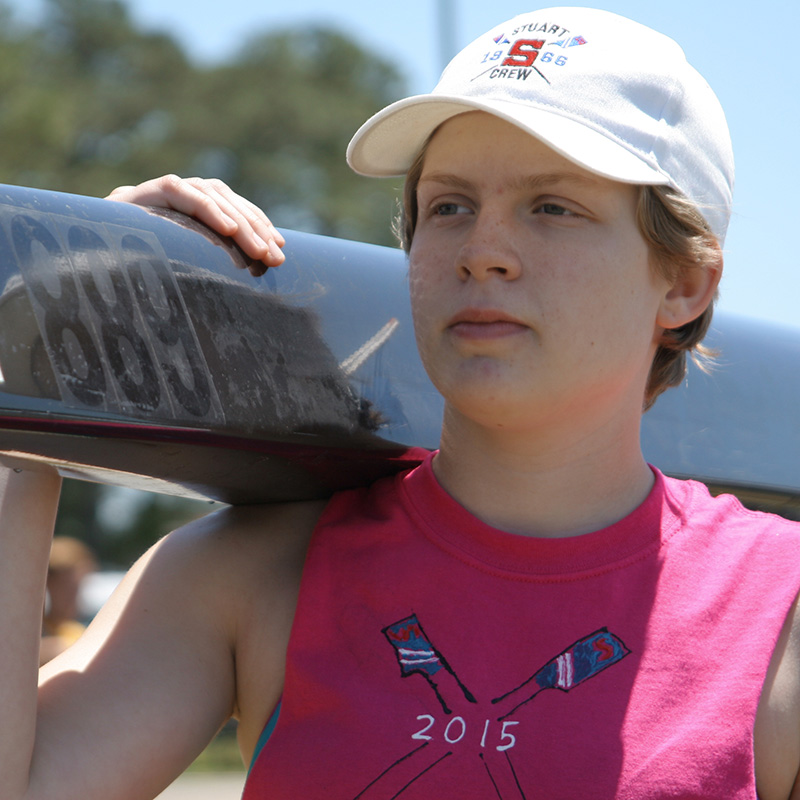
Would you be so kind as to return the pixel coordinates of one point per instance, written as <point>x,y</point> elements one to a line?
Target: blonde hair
<point>679,239</point>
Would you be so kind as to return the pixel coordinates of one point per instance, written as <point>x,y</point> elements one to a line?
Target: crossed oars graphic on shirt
<point>416,654</point>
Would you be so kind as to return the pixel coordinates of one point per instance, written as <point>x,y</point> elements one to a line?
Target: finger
<point>171,191</point>
<point>256,234</point>
<point>254,215</point>
<point>212,202</point>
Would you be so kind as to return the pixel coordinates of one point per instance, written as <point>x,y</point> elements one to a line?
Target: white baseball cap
<point>611,95</point>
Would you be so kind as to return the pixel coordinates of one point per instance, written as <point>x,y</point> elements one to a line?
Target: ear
<point>691,294</point>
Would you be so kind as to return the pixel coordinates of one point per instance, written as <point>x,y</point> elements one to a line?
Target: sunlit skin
<point>537,315</point>
<point>528,272</point>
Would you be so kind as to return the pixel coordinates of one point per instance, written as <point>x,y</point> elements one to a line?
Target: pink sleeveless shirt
<point>433,656</point>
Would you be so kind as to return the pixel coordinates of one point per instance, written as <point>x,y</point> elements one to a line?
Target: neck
<point>548,483</point>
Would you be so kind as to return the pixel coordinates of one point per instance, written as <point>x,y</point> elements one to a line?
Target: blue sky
<point>747,52</point>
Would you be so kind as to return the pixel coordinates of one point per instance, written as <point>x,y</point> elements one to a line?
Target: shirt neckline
<point>451,527</point>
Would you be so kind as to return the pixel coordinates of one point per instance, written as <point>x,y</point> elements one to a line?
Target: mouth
<point>478,323</point>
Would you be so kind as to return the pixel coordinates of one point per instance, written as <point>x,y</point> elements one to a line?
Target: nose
<point>489,252</point>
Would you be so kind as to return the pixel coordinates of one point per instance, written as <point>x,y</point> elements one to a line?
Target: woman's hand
<point>214,203</point>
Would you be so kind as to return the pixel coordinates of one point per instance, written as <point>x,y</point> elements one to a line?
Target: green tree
<point>90,102</point>
<point>282,135</point>
<point>82,98</point>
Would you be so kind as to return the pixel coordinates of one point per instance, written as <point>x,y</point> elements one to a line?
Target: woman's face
<point>530,282</point>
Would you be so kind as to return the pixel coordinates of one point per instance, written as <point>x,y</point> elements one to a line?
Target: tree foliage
<point>88,101</point>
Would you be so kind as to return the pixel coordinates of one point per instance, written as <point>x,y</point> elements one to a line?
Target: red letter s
<point>523,52</point>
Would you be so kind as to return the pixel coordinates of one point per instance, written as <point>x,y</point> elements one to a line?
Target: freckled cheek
<point>417,292</point>
<point>423,301</point>
<point>426,280</point>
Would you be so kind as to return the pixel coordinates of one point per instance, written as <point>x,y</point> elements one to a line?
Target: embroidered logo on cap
<point>527,52</point>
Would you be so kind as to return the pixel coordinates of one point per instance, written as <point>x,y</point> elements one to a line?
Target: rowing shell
<point>137,350</point>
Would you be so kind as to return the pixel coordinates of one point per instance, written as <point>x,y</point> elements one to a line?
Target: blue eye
<point>449,209</point>
<point>554,209</point>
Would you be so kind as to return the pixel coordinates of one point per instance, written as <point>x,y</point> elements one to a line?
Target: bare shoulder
<point>217,566</point>
<point>242,543</point>
<point>196,632</point>
<point>258,553</point>
<point>777,728</point>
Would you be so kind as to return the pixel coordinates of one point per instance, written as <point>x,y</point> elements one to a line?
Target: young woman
<point>533,612</point>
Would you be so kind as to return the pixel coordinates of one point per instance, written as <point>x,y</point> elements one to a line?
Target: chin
<point>493,409</point>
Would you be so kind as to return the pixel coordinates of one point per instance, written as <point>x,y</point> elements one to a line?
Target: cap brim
<point>388,143</point>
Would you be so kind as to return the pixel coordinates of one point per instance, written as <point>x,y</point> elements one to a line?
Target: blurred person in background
<point>70,562</point>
